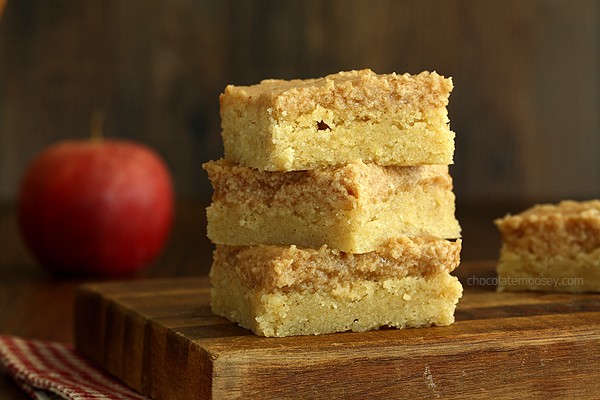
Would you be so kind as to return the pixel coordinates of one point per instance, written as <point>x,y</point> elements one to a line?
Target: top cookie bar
<point>391,119</point>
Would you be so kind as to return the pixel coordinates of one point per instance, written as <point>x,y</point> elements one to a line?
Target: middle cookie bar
<point>354,208</point>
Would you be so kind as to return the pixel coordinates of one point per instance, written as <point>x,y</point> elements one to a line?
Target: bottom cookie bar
<point>286,291</point>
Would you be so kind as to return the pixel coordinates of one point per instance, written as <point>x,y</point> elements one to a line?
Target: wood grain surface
<point>160,337</point>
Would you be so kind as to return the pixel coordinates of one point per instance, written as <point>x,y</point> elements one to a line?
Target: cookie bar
<point>287,290</point>
<point>352,208</point>
<point>551,247</point>
<point>392,119</point>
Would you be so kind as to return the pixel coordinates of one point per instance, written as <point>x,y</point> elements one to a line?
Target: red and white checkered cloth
<point>50,370</point>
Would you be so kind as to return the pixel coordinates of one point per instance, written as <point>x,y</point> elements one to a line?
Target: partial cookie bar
<point>287,290</point>
<point>551,248</point>
<point>354,208</point>
<point>391,119</point>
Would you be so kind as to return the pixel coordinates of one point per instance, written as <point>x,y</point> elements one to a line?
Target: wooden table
<point>36,305</point>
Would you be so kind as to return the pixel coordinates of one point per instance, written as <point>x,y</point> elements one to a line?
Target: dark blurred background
<point>525,106</point>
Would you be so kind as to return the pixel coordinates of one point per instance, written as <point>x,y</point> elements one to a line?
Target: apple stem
<point>97,125</point>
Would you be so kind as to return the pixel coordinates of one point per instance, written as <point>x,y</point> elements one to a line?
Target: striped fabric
<point>49,370</point>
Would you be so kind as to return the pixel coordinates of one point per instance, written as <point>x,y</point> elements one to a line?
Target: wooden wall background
<point>525,106</point>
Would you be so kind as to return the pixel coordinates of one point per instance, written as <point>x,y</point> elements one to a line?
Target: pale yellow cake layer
<point>356,303</point>
<point>389,119</point>
<point>551,247</point>
<point>576,273</point>
<point>353,208</point>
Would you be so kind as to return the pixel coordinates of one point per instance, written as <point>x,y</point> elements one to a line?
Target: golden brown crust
<point>286,268</point>
<point>566,228</point>
<point>352,90</point>
<point>339,187</point>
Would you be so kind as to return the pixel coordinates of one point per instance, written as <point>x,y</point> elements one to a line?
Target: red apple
<point>96,207</point>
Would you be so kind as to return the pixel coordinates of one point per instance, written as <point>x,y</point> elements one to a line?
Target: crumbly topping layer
<point>548,229</point>
<point>292,268</point>
<point>359,91</point>
<point>339,187</point>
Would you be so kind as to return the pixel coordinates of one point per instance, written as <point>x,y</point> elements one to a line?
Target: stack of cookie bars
<point>333,205</point>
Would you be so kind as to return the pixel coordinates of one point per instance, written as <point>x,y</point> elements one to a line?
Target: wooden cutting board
<point>161,338</point>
